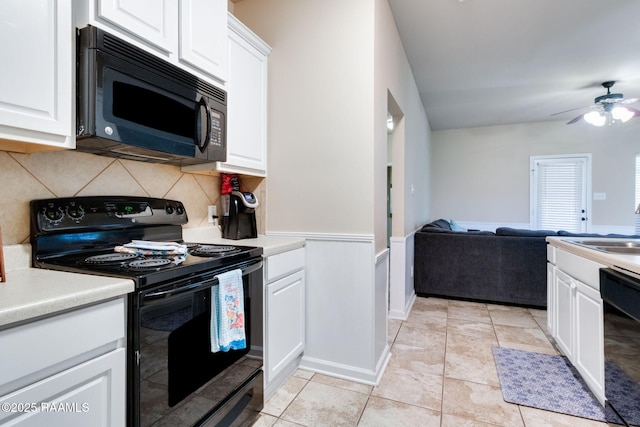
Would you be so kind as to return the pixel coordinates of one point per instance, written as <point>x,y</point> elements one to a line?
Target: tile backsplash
<point>24,177</point>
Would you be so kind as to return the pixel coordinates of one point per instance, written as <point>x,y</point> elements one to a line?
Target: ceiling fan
<point>607,108</point>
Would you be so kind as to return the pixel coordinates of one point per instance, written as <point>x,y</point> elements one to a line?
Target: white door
<point>559,189</point>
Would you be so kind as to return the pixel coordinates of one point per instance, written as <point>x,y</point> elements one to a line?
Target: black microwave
<point>134,105</point>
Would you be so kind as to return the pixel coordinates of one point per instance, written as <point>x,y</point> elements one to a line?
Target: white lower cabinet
<point>578,317</point>
<point>67,370</point>
<point>589,338</point>
<point>565,312</point>
<point>284,317</point>
<point>551,292</point>
<point>89,394</point>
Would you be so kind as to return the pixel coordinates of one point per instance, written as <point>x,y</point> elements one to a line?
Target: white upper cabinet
<point>191,34</point>
<point>246,105</point>
<point>203,36</point>
<point>247,94</point>
<point>37,75</point>
<point>154,21</point>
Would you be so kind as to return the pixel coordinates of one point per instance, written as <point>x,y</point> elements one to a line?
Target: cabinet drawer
<point>92,394</point>
<point>583,269</point>
<point>284,263</point>
<point>44,343</point>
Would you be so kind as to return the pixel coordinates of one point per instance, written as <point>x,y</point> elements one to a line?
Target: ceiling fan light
<point>622,114</point>
<point>595,118</point>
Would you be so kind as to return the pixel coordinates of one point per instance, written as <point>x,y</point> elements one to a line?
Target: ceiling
<point>499,62</point>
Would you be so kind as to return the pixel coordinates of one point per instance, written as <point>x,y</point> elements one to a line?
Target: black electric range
<point>171,360</point>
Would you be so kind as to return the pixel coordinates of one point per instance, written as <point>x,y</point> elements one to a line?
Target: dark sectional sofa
<point>508,266</point>
<point>505,267</point>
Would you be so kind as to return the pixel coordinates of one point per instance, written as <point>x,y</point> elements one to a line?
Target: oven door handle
<point>203,284</point>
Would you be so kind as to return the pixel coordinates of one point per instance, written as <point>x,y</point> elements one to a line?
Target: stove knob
<point>76,212</point>
<point>168,209</point>
<point>53,214</point>
<point>180,209</point>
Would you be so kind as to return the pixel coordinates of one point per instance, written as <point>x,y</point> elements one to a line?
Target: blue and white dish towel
<point>227,313</point>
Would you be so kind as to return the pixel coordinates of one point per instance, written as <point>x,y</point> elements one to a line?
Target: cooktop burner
<point>114,258</point>
<point>146,264</point>
<point>213,250</point>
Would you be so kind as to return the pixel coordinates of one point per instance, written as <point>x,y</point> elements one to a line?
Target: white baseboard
<point>346,372</point>
<point>404,314</point>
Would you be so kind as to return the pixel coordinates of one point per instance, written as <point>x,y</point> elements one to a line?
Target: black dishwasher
<point>621,296</point>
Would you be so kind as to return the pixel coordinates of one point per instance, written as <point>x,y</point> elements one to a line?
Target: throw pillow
<point>455,226</point>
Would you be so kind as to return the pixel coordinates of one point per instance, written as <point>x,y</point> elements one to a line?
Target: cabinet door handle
<point>200,143</point>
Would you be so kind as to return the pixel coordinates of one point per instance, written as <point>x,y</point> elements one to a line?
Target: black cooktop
<point>146,270</point>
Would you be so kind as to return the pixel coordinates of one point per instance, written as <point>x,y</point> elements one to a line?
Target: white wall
<point>482,174</point>
<point>320,113</point>
<point>411,140</point>
<point>331,68</point>
<point>327,117</point>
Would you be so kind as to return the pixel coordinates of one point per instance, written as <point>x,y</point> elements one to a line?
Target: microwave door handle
<point>202,145</point>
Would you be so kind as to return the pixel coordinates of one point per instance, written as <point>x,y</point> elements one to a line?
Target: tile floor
<point>441,374</point>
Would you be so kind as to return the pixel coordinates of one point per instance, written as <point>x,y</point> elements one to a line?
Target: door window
<point>559,189</point>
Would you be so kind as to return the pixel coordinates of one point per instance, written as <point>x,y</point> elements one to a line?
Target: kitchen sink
<point>618,247</point>
<point>619,250</point>
<point>600,243</point>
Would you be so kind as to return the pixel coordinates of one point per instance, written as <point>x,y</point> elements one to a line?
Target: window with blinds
<point>559,193</point>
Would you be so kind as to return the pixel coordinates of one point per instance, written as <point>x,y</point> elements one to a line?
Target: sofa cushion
<point>507,231</point>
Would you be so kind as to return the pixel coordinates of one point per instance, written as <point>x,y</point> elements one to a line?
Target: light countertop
<point>271,245</point>
<point>627,262</point>
<point>32,293</point>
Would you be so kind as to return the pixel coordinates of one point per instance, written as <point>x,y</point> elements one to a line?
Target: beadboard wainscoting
<point>401,290</point>
<point>382,345</point>
<point>346,307</point>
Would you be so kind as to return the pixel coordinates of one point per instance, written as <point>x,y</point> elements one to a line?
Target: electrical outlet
<point>599,196</point>
<point>212,212</point>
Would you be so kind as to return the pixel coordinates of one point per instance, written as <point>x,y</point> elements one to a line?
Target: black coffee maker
<point>240,221</point>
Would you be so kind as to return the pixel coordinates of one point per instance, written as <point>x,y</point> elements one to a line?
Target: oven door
<point>175,377</point>
<point>621,297</point>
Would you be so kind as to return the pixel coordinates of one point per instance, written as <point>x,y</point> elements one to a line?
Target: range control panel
<point>76,213</point>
